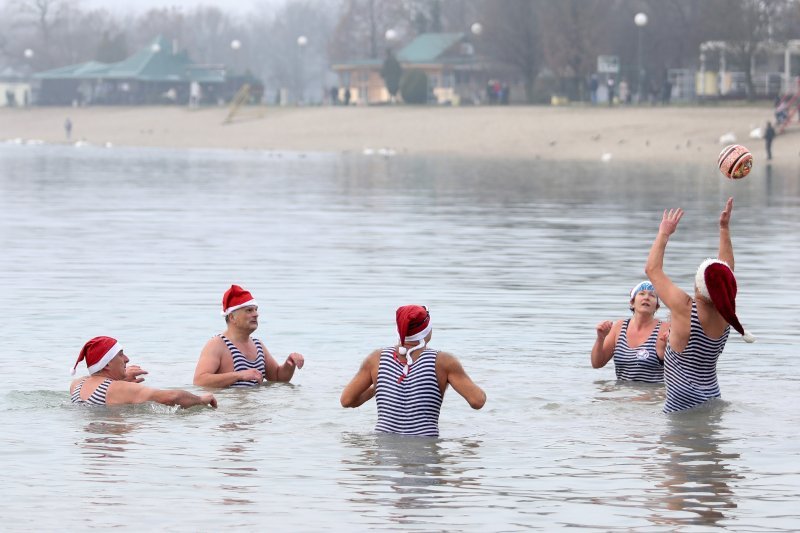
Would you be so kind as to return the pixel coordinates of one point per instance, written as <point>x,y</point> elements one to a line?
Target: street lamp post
<point>641,21</point>
<point>302,42</point>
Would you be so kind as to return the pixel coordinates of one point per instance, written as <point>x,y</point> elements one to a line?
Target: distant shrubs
<point>414,87</point>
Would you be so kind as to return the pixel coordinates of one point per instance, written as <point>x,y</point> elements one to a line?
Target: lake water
<point>517,261</point>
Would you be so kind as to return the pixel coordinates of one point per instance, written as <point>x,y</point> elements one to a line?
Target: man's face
<point>246,318</point>
<point>117,366</point>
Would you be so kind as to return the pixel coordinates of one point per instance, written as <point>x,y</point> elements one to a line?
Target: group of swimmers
<point>408,380</point>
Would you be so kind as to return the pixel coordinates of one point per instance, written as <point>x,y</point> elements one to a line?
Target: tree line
<point>528,37</point>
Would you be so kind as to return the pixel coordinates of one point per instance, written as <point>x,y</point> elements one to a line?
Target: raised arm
<point>603,348</point>
<point>206,372</point>
<point>123,392</point>
<point>362,387</point>
<point>461,382</point>
<point>725,244</point>
<point>673,296</point>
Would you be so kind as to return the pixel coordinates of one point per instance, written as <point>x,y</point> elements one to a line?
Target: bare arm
<point>461,382</point>
<point>284,372</point>
<point>362,387</point>
<point>725,244</point>
<point>206,373</point>
<point>678,302</point>
<point>603,348</point>
<point>673,296</point>
<point>122,392</point>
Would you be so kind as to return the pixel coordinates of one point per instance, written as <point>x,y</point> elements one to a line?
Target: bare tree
<point>511,35</point>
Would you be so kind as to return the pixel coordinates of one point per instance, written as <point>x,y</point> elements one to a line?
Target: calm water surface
<point>517,260</point>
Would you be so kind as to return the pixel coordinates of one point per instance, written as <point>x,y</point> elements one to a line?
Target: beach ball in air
<point>735,161</point>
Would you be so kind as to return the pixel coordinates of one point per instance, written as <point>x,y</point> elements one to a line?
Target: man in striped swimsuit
<point>112,382</point>
<point>408,386</point>
<point>233,358</point>
<point>700,325</point>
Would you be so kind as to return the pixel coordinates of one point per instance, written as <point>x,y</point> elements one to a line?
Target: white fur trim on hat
<point>700,276</point>
<point>109,355</point>
<point>233,308</point>
<point>421,335</point>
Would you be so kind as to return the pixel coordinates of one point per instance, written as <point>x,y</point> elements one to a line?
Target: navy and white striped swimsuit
<point>241,362</point>
<point>410,406</point>
<point>98,397</point>
<point>640,363</point>
<point>691,376</point>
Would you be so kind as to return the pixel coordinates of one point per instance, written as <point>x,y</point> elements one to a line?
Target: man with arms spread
<point>112,382</point>
<point>233,358</point>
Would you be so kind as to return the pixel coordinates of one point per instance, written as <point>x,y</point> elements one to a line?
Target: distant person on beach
<point>593,86</point>
<point>233,358</point>
<point>769,135</point>
<point>347,96</point>
<point>636,344</point>
<point>68,128</point>
<point>700,324</point>
<point>409,380</point>
<point>112,382</point>
<point>610,84</point>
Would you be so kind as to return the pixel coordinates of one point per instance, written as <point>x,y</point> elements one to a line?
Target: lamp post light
<point>391,35</point>
<point>476,28</point>
<point>641,21</point>
<point>28,53</point>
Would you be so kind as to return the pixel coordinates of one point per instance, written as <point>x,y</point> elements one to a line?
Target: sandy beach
<point>690,134</point>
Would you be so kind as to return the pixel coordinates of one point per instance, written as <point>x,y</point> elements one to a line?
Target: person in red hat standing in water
<point>700,324</point>
<point>409,380</point>
<point>233,358</point>
<point>112,382</point>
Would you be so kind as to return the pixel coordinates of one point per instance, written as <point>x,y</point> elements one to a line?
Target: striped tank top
<point>98,397</point>
<point>408,406</point>
<point>241,362</point>
<point>691,376</point>
<point>640,363</point>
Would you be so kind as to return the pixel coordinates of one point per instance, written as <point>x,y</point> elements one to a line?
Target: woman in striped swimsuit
<point>409,387</point>
<point>636,344</point>
<point>700,325</point>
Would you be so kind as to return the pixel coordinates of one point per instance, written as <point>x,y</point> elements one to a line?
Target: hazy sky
<point>234,6</point>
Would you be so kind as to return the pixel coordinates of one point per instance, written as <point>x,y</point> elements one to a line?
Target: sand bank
<point>548,133</point>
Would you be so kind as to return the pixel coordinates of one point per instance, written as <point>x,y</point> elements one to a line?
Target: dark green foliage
<point>391,72</point>
<point>414,87</point>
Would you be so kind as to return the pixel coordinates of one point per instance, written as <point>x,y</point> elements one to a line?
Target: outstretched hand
<point>725,216</point>
<point>669,221</point>
<point>133,374</point>
<point>603,329</point>
<point>295,359</point>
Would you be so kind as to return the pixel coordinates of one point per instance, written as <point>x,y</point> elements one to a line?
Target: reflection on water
<point>698,473</point>
<point>408,474</point>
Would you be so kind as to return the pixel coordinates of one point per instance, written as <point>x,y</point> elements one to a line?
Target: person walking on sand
<point>700,324</point>
<point>112,382</point>
<point>636,344</point>
<point>68,128</point>
<point>233,358</point>
<point>769,135</point>
<point>409,380</point>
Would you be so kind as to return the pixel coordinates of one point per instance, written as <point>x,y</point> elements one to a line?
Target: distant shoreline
<point>664,134</point>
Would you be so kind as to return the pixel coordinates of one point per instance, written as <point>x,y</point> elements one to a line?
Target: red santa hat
<point>413,324</point>
<point>236,298</point>
<point>97,353</point>
<point>715,282</point>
